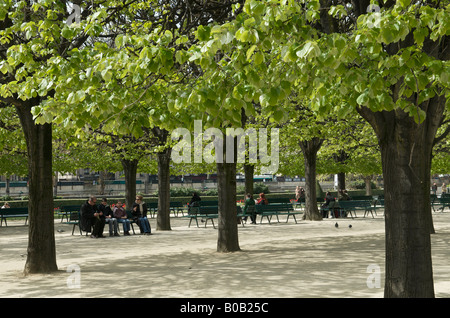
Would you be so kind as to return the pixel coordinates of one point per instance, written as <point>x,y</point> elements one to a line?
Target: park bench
<point>243,216</point>
<point>352,206</point>
<point>177,207</point>
<point>203,212</point>
<point>152,209</point>
<point>206,213</point>
<point>66,210</point>
<point>270,210</point>
<point>13,213</point>
<point>279,200</point>
<point>444,202</point>
<point>73,219</point>
<point>288,210</point>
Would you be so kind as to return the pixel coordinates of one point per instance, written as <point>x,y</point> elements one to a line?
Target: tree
<point>391,66</point>
<point>40,41</point>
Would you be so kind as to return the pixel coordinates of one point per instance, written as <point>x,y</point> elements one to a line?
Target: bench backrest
<point>152,205</point>
<point>273,207</point>
<point>350,204</point>
<point>208,210</point>
<point>74,216</point>
<point>279,200</point>
<point>14,211</point>
<point>208,203</point>
<point>70,208</point>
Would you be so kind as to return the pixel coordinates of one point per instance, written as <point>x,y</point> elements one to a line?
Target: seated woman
<point>121,215</point>
<point>262,199</point>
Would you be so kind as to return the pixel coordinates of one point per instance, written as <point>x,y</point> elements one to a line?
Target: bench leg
<point>212,221</point>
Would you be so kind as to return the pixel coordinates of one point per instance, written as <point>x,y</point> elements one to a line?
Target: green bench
<point>73,218</point>
<point>270,210</point>
<point>208,203</point>
<point>13,213</point>
<point>352,206</point>
<point>152,209</point>
<point>444,202</point>
<point>177,207</point>
<point>66,210</point>
<point>203,212</point>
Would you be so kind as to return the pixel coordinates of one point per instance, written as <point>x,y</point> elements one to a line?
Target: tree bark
<point>406,151</point>
<point>368,184</point>
<point>41,252</point>
<point>310,149</point>
<point>130,169</point>
<point>228,230</point>
<point>163,217</point>
<point>7,185</point>
<point>249,171</point>
<point>341,181</point>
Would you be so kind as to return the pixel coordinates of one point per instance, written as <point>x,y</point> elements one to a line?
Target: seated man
<point>139,212</point>
<point>109,217</point>
<point>91,218</point>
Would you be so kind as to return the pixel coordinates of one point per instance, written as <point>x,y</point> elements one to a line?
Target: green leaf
<point>67,32</point>
<point>258,58</point>
<point>81,95</point>
<point>363,99</point>
<point>387,35</point>
<point>107,75</point>
<point>242,34</point>
<point>226,38</point>
<point>250,52</point>
<point>119,41</point>
<point>203,33</point>
<point>309,50</point>
<point>404,3</point>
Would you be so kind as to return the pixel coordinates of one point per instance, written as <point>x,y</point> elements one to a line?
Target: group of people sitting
<point>342,196</point>
<point>249,201</point>
<point>94,217</point>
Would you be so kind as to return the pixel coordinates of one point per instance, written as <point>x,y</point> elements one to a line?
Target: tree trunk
<point>163,217</point>
<point>101,181</point>
<point>41,252</point>
<point>406,151</point>
<point>368,184</point>
<point>249,171</point>
<point>130,169</point>
<point>55,184</point>
<point>7,185</point>
<point>226,186</point>
<point>310,149</point>
<point>341,181</point>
